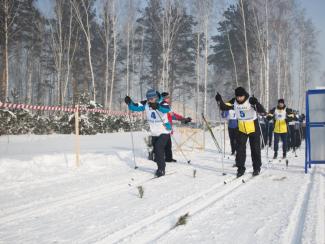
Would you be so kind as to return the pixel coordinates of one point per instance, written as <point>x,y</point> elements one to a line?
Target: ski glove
<point>253,100</point>
<point>187,120</point>
<point>127,100</point>
<point>218,97</point>
<point>154,106</point>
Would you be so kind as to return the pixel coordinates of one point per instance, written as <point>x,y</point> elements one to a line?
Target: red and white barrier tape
<point>64,109</point>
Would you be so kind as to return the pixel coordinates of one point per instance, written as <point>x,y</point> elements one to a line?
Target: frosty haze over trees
<point>192,49</point>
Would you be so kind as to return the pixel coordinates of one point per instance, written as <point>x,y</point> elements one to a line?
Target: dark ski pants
<point>168,151</point>
<point>255,144</point>
<point>270,134</point>
<point>292,138</point>
<point>297,138</point>
<point>159,147</point>
<point>233,133</point>
<point>283,137</point>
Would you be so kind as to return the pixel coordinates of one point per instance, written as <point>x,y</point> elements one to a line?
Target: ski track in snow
<point>192,204</point>
<point>295,216</point>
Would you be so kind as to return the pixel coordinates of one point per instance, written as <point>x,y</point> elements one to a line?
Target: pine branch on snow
<point>182,220</point>
<point>141,191</point>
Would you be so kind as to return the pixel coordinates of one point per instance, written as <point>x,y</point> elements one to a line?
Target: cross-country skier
<point>269,135</point>
<point>281,115</point>
<point>172,116</point>
<point>159,125</point>
<point>230,115</point>
<point>292,143</point>
<point>246,109</point>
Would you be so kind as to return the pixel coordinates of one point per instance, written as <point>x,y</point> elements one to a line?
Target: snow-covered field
<point>45,198</point>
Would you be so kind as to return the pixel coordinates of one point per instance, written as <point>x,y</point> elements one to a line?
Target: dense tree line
<point>191,49</point>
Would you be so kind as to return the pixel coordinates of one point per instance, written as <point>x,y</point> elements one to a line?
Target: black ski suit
<point>253,134</point>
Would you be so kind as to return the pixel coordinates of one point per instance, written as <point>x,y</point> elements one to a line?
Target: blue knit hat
<point>151,93</point>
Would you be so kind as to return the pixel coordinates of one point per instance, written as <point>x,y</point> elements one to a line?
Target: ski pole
<point>212,135</point>
<point>134,162</point>
<point>224,145</point>
<point>258,121</point>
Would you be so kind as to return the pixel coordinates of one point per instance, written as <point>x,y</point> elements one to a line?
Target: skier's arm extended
<point>136,107</point>
<point>176,116</point>
<point>224,106</point>
<point>260,109</point>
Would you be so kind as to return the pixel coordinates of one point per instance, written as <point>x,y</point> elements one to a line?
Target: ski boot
<point>275,155</point>
<point>240,171</point>
<point>160,172</point>
<point>284,155</point>
<point>256,172</point>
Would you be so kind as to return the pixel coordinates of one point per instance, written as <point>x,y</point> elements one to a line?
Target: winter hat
<point>164,94</point>
<point>151,93</point>
<point>240,91</point>
<point>281,100</point>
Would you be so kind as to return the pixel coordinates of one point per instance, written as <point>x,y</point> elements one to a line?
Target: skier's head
<point>151,95</point>
<point>241,94</point>
<point>281,103</point>
<point>165,96</point>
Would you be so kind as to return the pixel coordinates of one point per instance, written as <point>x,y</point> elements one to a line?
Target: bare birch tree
<point>81,10</point>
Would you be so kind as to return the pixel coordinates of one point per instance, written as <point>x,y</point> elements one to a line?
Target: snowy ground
<point>45,198</point>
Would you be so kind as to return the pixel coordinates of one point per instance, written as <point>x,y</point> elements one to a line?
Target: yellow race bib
<point>280,126</point>
<point>246,126</point>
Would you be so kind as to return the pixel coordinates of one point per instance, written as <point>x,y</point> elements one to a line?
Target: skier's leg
<point>232,138</point>
<point>160,146</point>
<point>276,144</point>
<point>153,141</point>
<point>168,150</point>
<point>284,137</point>
<point>241,153</point>
<point>255,144</point>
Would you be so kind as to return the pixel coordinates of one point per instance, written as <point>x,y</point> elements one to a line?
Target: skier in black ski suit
<point>246,109</point>
<point>281,115</point>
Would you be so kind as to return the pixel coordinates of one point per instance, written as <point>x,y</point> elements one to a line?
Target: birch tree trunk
<point>198,77</point>
<point>86,30</point>
<point>114,28</point>
<point>246,48</point>
<point>267,64</point>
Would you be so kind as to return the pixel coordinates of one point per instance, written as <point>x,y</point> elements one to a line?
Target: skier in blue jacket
<point>156,111</point>
<point>230,115</point>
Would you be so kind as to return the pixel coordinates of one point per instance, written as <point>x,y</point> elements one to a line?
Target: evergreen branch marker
<point>141,191</point>
<point>182,220</point>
